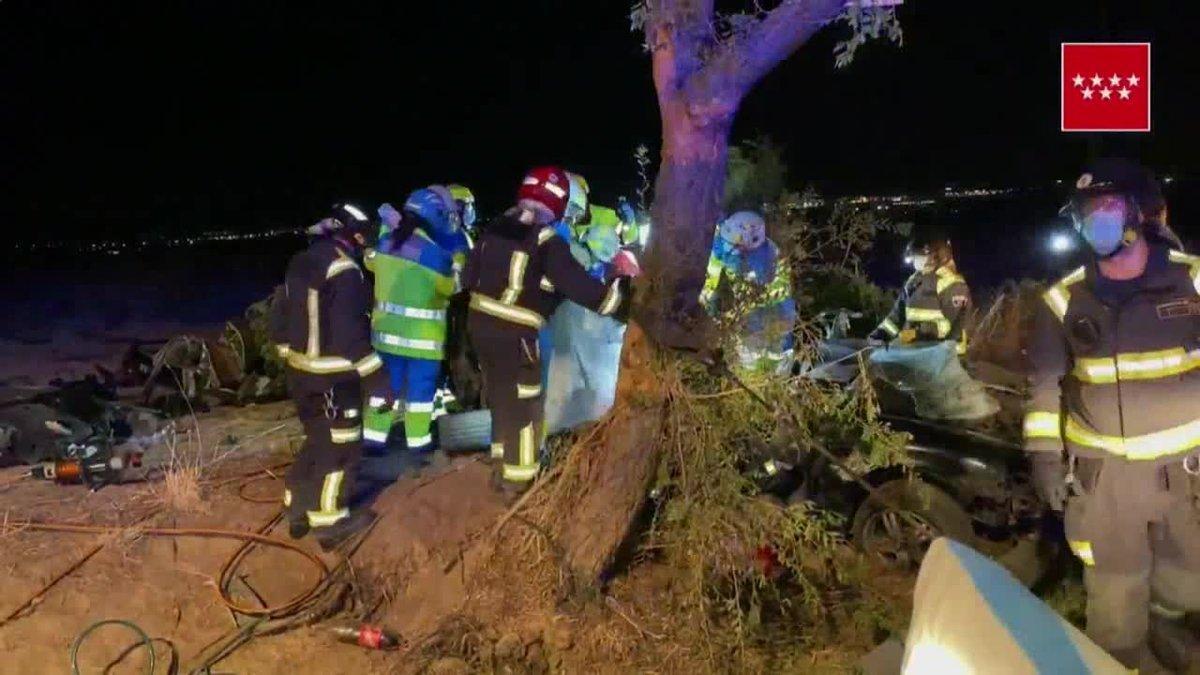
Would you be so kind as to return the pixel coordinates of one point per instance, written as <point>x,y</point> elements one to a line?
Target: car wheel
<point>913,514</point>
<point>462,432</point>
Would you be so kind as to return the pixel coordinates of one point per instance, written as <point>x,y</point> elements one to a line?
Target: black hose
<point>145,641</point>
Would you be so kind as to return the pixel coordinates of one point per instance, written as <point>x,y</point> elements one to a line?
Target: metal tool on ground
<point>87,465</point>
<point>367,636</point>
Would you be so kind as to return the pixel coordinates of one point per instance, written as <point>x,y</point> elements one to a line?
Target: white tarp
<point>582,378</point>
<point>932,374</point>
<point>972,617</point>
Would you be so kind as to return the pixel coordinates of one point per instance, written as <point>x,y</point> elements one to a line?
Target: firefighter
<point>414,280</point>
<point>935,301</point>
<point>517,275</point>
<point>742,252</point>
<point>321,330</point>
<point>1113,424</point>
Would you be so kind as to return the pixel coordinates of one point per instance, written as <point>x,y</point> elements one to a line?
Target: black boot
<point>298,528</point>
<point>337,534</point>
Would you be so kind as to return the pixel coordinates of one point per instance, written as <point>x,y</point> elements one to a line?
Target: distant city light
<point>1168,179</point>
<point>1061,242</point>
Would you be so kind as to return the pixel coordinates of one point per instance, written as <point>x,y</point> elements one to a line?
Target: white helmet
<point>577,198</point>
<point>745,230</point>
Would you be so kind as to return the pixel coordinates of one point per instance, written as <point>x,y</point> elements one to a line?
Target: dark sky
<point>172,115</point>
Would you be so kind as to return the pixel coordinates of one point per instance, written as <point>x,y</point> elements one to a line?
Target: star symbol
<point>1078,80</point>
<point>1133,80</point>
<point>1097,80</point>
<point>1087,93</point>
<point>1106,93</point>
<point>1114,80</point>
<point>1123,92</point>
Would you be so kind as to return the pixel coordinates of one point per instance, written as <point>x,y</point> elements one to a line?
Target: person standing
<point>1113,424</point>
<point>517,275</point>
<point>321,330</point>
<point>935,301</point>
<point>414,281</point>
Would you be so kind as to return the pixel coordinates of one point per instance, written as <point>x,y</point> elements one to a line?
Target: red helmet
<point>548,186</point>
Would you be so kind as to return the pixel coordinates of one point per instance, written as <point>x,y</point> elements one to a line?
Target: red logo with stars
<point>1105,86</point>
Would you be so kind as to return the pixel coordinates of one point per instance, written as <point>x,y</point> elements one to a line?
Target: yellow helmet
<point>465,199</point>
<point>577,198</point>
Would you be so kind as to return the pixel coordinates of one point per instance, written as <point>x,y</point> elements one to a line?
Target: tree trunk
<point>687,207</point>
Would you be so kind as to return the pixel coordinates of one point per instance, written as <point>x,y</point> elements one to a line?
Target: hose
<point>142,637</point>
<point>249,538</point>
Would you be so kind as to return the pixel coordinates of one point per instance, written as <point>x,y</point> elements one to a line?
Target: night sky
<point>178,116</point>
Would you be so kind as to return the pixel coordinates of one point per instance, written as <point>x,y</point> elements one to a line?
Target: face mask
<point>1103,229</point>
<point>468,215</point>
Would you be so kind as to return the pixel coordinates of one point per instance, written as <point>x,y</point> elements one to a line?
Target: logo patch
<point>1178,309</point>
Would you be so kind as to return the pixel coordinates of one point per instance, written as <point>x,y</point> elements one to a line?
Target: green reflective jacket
<point>413,285</point>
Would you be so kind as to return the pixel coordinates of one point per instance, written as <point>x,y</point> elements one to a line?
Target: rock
<point>559,635</point>
<point>510,647</point>
<point>449,666</point>
<point>535,658</point>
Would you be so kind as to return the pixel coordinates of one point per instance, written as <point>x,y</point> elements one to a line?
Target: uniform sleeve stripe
<point>612,300</point>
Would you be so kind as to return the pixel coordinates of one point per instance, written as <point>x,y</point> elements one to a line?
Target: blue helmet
<point>435,206</point>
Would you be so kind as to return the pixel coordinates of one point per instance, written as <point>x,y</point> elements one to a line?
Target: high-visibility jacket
<point>320,325</point>
<point>414,281</point>
<point>1116,374</point>
<point>519,274</point>
<point>934,305</point>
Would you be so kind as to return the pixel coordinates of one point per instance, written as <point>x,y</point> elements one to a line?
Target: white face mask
<point>919,261</point>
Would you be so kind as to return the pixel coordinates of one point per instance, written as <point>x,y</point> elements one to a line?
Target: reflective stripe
<point>320,365</point>
<point>612,300</point>
<point>419,441</point>
<point>376,402</point>
<point>330,489</point>
<point>340,436</point>
<point>368,364</point>
<point>516,276</point>
<point>373,436</point>
<point>546,285</point>
<point>946,279</point>
<point>407,343</point>
<point>519,474</point>
<point>890,327</point>
<point>520,315</point>
<point>1137,366</point>
<point>1083,551</point>
<point>497,450</point>
<point>314,323</point>
<point>1059,296</point>
<point>419,407</point>
<point>529,390</point>
<point>338,266</point>
<point>351,413</point>
<point>771,467</point>
<point>917,315</point>
<point>323,519</point>
<point>546,235</point>
<point>1190,260</point>
<point>283,350</point>
<point>1043,425</point>
<point>1169,613</point>
<point>287,497</point>
<point>528,454</point>
<point>411,312</point>
<point>1148,446</point>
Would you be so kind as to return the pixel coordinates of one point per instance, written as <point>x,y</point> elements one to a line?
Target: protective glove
<point>1050,479</point>
<point>389,216</point>
<point>908,335</point>
<point>878,335</point>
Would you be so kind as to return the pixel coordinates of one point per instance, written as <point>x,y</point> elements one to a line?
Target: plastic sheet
<point>581,381</point>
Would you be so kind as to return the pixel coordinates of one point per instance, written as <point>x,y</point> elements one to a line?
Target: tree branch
<point>742,62</point>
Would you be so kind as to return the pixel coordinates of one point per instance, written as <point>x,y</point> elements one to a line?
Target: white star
<point>1123,92</point>
<point>1133,80</point>
<point>1106,93</point>
<point>1078,80</point>
<point>1097,80</point>
<point>1114,80</point>
<point>1087,93</point>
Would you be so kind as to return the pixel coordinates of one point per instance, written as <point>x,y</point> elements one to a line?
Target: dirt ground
<point>168,586</point>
